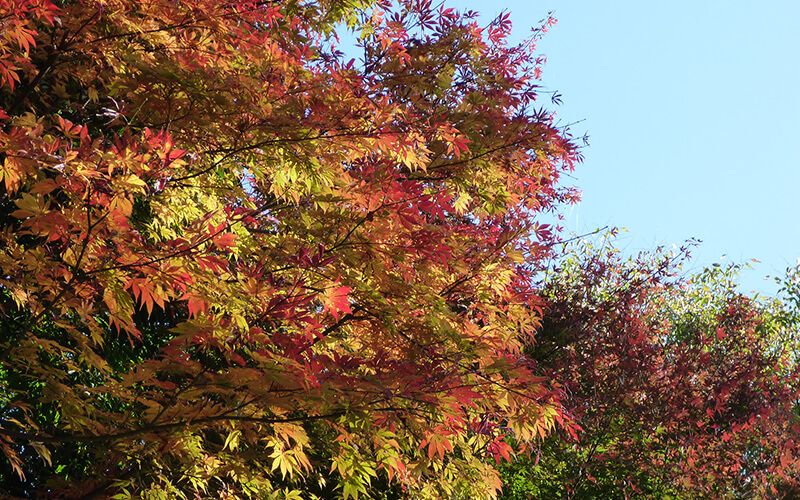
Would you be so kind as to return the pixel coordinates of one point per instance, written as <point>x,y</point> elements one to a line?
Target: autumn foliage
<point>682,386</point>
<point>235,263</point>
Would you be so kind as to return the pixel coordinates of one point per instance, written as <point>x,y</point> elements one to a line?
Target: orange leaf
<point>336,301</point>
<point>227,240</point>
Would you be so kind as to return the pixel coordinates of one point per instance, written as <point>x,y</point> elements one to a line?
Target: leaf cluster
<point>235,264</point>
<point>682,386</point>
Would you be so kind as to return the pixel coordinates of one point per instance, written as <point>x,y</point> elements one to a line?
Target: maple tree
<point>682,386</point>
<point>235,264</point>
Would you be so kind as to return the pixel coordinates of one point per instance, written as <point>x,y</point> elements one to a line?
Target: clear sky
<point>693,113</point>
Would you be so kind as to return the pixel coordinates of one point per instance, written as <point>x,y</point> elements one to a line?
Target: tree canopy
<point>682,386</point>
<point>234,263</point>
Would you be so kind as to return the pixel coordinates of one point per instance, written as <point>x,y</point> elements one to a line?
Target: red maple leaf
<point>336,301</point>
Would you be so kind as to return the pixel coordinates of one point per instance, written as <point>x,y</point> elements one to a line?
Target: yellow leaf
<point>134,183</point>
<point>28,207</point>
<point>232,441</point>
<point>43,452</point>
<point>122,203</point>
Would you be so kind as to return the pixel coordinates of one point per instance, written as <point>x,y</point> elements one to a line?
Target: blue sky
<point>692,110</point>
